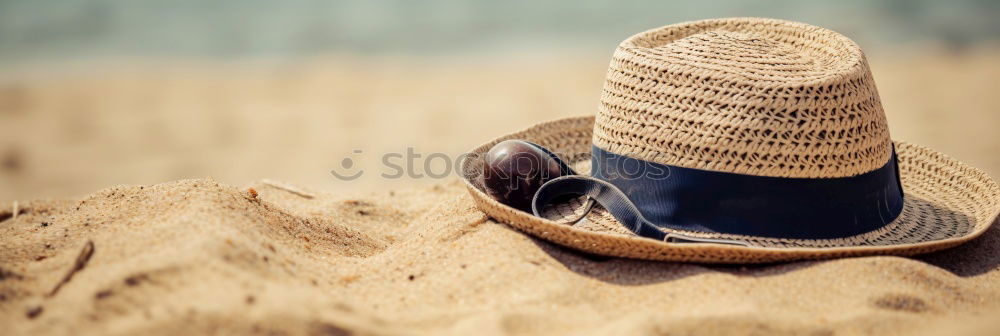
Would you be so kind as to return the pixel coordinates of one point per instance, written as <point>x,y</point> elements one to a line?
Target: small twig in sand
<point>81,262</point>
<point>288,188</point>
<point>13,215</point>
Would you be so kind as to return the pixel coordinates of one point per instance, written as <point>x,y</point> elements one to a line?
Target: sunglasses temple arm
<point>617,203</point>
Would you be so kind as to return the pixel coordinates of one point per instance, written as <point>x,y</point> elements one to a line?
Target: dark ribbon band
<point>646,196</point>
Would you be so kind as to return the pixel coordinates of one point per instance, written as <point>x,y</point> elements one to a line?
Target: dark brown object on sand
<point>513,170</point>
<point>79,264</point>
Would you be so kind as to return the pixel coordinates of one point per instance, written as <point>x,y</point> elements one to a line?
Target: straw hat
<point>752,97</point>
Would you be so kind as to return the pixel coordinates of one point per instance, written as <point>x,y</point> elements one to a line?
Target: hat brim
<point>946,204</point>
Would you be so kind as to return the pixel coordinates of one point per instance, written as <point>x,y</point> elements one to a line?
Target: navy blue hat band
<point>646,195</point>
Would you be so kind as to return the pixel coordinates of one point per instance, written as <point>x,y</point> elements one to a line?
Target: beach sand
<point>200,256</point>
<point>67,133</point>
<point>304,253</point>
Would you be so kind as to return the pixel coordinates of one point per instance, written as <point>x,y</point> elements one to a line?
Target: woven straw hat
<point>758,97</point>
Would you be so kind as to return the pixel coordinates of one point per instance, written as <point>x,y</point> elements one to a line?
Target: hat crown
<point>750,96</point>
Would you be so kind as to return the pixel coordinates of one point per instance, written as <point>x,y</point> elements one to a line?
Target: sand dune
<point>200,256</point>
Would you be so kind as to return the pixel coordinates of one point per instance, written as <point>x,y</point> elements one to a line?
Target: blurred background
<point>104,92</point>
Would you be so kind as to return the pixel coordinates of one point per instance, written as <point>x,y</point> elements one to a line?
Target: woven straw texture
<point>749,96</point>
<point>946,203</point>
<point>758,97</point>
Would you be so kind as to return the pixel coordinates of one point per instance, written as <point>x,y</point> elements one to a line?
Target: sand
<point>66,133</point>
<point>169,254</point>
<point>201,256</point>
